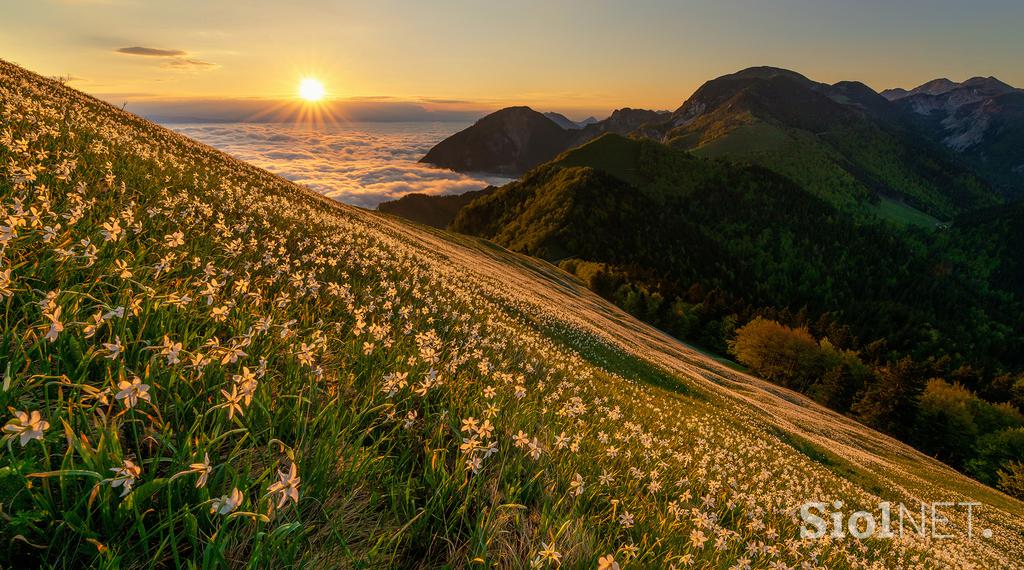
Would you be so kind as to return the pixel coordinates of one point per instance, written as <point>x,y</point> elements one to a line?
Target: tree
<point>1011,479</point>
<point>777,352</point>
<point>945,425</point>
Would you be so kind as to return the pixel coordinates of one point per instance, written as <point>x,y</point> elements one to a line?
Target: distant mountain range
<point>918,156</point>
<point>982,119</point>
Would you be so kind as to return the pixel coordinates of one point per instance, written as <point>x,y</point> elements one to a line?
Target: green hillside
<point>204,365</point>
<point>852,153</point>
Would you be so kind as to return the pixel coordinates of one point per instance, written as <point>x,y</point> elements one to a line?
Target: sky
<point>452,60</point>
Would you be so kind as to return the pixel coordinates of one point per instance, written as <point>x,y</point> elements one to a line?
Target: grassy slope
<point>324,303</point>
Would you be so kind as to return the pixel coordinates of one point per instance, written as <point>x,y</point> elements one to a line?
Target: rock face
<point>981,118</point>
<point>508,142</point>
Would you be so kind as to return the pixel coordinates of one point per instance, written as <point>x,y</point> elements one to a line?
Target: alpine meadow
<point>513,286</point>
<point>207,365</point>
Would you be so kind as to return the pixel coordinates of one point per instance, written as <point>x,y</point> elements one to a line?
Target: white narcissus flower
<point>227,504</point>
<point>56,327</point>
<point>26,426</point>
<point>125,476</point>
<point>130,392</point>
<point>287,487</point>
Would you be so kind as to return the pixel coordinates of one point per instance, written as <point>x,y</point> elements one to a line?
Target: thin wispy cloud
<point>190,64</point>
<point>175,59</point>
<point>152,52</point>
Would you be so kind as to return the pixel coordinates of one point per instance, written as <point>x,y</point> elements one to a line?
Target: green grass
<point>372,353</point>
<point>903,214</point>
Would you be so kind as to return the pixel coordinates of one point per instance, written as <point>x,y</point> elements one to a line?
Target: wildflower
<point>131,392</point>
<point>170,349</point>
<point>549,553</point>
<point>203,469</point>
<point>469,424</point>
<point>234,402</point>
<point>521,439</point>
<point>227,504</point>
<point>116,312</point>
<point>576,485</point>
<point>219,314</point>
<point>26,426</point>
<point>305,354</point>
<point>122,269</point>
<point>111,230</point>
<point>607,563</point>
<point>174,240</point>
<point>91,327</point>
<point>626,519</point>
<point>535,449</point>
<point>5,283</point>
<point>697,538</point>
<point>287,487</point>
<point>56,327</point>
<point>125,476</point>
<point>114,348</point>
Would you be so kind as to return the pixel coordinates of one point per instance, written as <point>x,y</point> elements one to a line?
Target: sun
<point>311,89</point>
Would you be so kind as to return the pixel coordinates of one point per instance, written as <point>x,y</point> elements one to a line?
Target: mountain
<point>515,139</point>
<point>431,210</point>
<point>508,142</point>
<point>933,87</point>
<point>563,121</point>
<point>588,121</point>
<point>982,119</point>
<point>842,142</point>
<point>209,365</point>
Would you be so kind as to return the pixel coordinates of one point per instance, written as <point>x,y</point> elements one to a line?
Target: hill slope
<point>233,370</point>
<point>432,210</point>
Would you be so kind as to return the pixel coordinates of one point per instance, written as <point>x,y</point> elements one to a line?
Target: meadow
<point>207,366</point>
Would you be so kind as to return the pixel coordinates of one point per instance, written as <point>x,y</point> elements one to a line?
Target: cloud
<point>153,52</point>
<point>361,164</point>
<point>184,64</point>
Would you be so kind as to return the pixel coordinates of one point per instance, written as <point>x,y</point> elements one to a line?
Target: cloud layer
<point>361,163</point>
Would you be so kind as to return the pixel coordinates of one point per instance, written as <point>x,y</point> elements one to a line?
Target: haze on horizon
<point>410,60</point>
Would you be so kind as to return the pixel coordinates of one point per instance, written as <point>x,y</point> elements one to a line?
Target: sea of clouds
<point>357,163</point>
